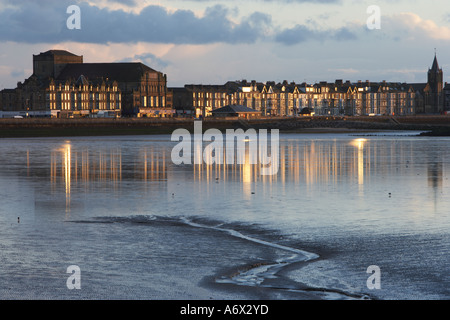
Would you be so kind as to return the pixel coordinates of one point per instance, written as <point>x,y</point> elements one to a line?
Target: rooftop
<point>58,53</point>
<point>235,109</point>
<point>121,71</point>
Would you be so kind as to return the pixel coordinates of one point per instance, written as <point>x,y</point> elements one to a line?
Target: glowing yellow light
<point>358,143</point>
<point>67,173</point>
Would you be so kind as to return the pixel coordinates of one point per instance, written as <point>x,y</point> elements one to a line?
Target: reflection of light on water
<point>312,162</point>
<point>28,162</point>
<point>67,173</point>
<point>247,170</point>
<point>247,175</point>
<point>146,166</point>
<point>359,143</point>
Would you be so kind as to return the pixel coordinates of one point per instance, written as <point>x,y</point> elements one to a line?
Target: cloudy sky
<point>214,41</point>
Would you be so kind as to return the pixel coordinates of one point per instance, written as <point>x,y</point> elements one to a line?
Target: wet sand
<point>164,259</point>
<point>147,258</point>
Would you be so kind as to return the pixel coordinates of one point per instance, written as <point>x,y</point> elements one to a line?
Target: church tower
<point>436,86</point>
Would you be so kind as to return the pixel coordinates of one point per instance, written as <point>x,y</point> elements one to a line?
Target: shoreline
<point>47,127</point>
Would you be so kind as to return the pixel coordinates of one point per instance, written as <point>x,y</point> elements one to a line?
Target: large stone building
<point>62,85</point>
<point>337,98</point>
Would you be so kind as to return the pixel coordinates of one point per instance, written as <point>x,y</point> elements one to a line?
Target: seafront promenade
<point>40,127</point>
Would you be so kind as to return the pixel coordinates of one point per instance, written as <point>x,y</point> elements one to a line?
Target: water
<point>140,227</point>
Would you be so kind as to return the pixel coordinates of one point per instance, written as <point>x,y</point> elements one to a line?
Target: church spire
<point>435,67</point>
<point>434,99</point>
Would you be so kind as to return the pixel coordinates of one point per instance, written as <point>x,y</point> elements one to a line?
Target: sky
<point>215,41</point>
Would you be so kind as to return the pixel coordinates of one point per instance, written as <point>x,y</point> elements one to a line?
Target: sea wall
<point>83,127</point>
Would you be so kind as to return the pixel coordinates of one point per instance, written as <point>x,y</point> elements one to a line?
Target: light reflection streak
<point>86,168</point>
<point>305,163</point>
<point>359,144</point>
<point>67,165</point>
<point>308,163</point>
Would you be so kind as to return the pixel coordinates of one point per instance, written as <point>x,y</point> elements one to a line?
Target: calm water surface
<point>140,227</point>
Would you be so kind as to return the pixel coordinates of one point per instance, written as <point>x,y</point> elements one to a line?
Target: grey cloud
<point>286,1</point>
<point>343,34</point>
<point>308,1</point>
<point>38,22</point>
<point>29,21</point>
<point>32,21</point>
<point>302,33</point>
<point>129,3</point>
<point>149,59</point>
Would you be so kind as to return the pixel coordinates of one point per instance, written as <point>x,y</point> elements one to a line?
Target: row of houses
<point>324,98</point>
<point>290,99</point>
<point>62,85</point>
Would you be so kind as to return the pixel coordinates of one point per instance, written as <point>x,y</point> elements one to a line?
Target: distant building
<point>62,85</point>
<point>447,97</point>
<point>289,99</point>
<point>269,99</point>
<point>434,102</point>
<point>430,97</point>
<point>323,98</point>
<point>200,100</point>
<point>236,111</point>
